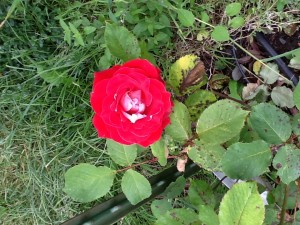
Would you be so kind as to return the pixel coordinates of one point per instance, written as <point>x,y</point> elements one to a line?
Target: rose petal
<point>150,70</point>
<point>105,74</point>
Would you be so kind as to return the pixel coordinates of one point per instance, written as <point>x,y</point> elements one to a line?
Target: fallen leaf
<point>181,163</point>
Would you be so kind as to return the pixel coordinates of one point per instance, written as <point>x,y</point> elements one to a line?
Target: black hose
<point>282,66</point>
<point>117,207</point>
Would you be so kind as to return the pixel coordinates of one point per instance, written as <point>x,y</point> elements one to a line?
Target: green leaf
<point>123,155</point>
<point>220,33</point>
<point>200,193</point>
<point>242,205</point>
<point>135,186</point>
<point>248,135</point>
<point>86,183</point>
<point>295,120</point>
<point>76,35</point>
<point>89,29</point>
<point>54,77</point>
<point>175,188</point>
<point>160,207</point>
<point>178,217</point>
<point>121,42</point>
<point>233,9</point>
<point>67,31</point>
<point>271,215</point>
<point>234,89</point>
<point>270,73</point>
<point>253,159</point>
<point>198,102</point>
<point>271,123</point>
<point>295,63</point>
<point>186,17</point>
<point>220,122</point>
<point>237,22</point>
<point>207,156</point>
<point>180,127</point>
<point>297,96</point>
<point>293,197</point>
<point>160,150</point>
<point>287,162</point>
<point>283,97</point>
<point>208,216</point>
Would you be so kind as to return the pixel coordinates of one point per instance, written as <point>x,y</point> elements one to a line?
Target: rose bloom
<point>131,103</point>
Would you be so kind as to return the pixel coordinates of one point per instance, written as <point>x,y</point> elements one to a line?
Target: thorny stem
<point>142,163</point>
<point>283,208</point>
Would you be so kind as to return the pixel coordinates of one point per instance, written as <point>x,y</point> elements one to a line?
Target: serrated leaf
<point>233,9</point>
<point>89,29</point>
<point>198,102</point>
<point>220,122</point>
<point>253,160</point>
<point>186,17</point>
<point>123,155</point>
<point>297,96</point>
<point>207,215</point>
<point>269,73</point>
<point>76,34</point>
<point>271,123</point>
<point>175,188</point>
<point>135,186</point>
<point>242,205</point>
<point>287,163</point>
<point>160,150</point>
<point>121,42</point>
<point>207,156</point>
<point>67,31</point>
<point>283,97</point>
<point>218,81</point>
<point>237,22</point>
<point>295,120</point>
<point>180,127</point>
<point>220,33</point>
<point>160,207</point>
<point>86,183</point>
<point>178,217</point>
<point>200,193</point>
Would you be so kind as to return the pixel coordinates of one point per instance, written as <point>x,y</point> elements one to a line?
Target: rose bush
<point>131,103</point>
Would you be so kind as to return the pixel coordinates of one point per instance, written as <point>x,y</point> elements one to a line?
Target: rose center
<point>132,105</point>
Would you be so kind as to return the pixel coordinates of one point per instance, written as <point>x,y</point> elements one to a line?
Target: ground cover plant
<point>48,55</point>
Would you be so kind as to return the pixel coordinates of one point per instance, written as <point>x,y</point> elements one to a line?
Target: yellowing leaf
<point>256,67</point>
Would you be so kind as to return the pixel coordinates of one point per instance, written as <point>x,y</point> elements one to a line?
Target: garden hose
<point>117,207</point>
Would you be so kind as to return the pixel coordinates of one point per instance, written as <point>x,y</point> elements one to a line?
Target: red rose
<point>131,103</point>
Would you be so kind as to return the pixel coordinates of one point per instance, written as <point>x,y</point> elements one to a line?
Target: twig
<point>283,208</point>
<point>233,99</point>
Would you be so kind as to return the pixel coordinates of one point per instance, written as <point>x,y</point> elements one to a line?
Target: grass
<point>45,129</point>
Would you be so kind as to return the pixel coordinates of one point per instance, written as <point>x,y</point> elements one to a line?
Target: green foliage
<point>124,155</point>
<point>135,186</point>
<point>160,150</point>
<point>220,33</point>
<point>253,159</point>
<point>160,207</point>
<point>271,123</point>
<point>178,217</point>
<point>121,42</point>
<point>175,188</point>
<point>180,127</point>
<point>269,73</point>
<point>207,215</point>
<point>287,162</point>
<point>297,96</point>
<point>201,193</point>
<point>86,182</point>
<point>242,205</point>
<point>292,198</point>
<point>186,17</point>
<point>233,9</point>
<point>220,122</point>
<point>283,97</point>
<point>207,156</point>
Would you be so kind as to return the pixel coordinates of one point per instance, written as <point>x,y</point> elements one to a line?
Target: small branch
<point>283,208</point>
<point>233,99</point>
<point>142,163</point>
